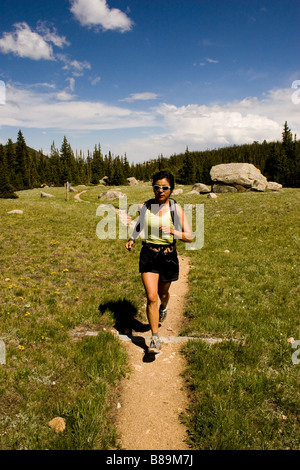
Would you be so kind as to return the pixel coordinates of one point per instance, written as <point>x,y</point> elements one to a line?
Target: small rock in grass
<point>57,424</point>
<point>16,211</point>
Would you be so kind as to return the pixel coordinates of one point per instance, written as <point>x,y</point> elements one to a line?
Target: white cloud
<point>51,36</point>
<point>98,13</point>
<point>26,108</point>
<point>75,66</point>
<point>212,61</point>
<point>145,96</point>
<point>95,80</point>
<point>24,42</point>
<point>165,129</point>
<point>71,81</point>
<point>203,127</point>
<point>64,95</point>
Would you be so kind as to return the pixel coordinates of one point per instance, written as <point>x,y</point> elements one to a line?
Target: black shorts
<point>161,260</point>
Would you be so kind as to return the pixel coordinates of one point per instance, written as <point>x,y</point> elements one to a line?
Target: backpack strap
<point>173,209</point>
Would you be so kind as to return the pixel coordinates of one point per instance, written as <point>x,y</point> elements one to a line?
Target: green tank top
<point>151,227</point>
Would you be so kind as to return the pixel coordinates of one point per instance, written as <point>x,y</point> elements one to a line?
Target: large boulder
<point>201,188</point>
<point>245,175</point>
<point>110,195</point>
<point>224,188</point>
<point>272,186</point>
<point>177,191</point>
<point>132,181</point>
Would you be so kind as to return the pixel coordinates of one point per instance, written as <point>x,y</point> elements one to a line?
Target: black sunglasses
<point>164,188</point>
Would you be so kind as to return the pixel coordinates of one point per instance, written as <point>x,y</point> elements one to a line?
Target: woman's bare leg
<point>163,292</point>
<point>150,281</point>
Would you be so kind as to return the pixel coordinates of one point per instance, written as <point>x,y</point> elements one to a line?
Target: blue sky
<point>148,77</point>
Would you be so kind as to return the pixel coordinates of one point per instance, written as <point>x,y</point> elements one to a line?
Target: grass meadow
<point>58,279</point>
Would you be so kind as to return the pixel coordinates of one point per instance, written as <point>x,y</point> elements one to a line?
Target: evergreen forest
<point>24,168</point>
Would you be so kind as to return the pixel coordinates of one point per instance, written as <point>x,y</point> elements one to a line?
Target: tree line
<point>24,168</point>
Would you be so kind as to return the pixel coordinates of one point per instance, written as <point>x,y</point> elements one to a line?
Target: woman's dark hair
<point>164,174</point>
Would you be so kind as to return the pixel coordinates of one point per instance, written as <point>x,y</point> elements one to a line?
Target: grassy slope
<point>245,392</point>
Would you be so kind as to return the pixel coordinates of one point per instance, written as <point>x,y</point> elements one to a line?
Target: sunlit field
<point>59,280</point>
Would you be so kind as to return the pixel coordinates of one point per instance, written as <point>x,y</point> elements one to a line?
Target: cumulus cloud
<point>64,95</point>
<point>67,93</point>
<point>24,42</point>
<point>27,108</point>
<point>145,96</point>
<point>51,36</point>
<point>165,129</point>
<point>202,127</point>
<point>97,13</point>
<point>75,66</point>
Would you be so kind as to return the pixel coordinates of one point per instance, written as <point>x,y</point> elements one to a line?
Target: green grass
<point>58,277</point>
<point>55,274</point>
<point>245,289</point>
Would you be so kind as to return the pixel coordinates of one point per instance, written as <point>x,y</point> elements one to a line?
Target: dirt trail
<point>77,197</point>
<point>154,394</point>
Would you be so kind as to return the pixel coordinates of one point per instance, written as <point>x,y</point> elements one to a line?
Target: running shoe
<point>155,345</point>
<point>162,313</point>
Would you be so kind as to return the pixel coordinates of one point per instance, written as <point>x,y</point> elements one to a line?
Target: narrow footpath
<point>154,394</point>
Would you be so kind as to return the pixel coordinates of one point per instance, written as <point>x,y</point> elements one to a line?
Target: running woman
<point>163,221</point>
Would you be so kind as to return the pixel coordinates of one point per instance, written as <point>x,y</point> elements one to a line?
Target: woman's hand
<point>129,245</point>
<point>166,229</point>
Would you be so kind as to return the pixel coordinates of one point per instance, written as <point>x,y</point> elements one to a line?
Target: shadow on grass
<point>124,313</point>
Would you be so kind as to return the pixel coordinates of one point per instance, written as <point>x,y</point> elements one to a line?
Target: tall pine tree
<point>22,163</point>
<point>97,165</point>
<point>69,170</point>
<point>6,189</point>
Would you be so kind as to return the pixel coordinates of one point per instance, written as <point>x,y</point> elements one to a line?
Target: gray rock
<point>193,192</point>
<point>244,174</point>
<point>224,188</point>
<point>177,191</point>
<point>201,188</point>
<point>16,211</point>
<point>110,195</point>
<point>132,181</point>
<point>272,186</point>
<point>46,194</point>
